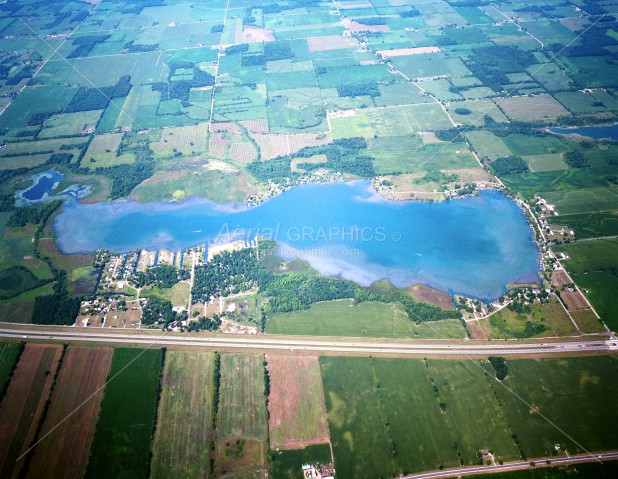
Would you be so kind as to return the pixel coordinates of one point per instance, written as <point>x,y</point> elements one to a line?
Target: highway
<point>309,345</point>
<point>510,466</point>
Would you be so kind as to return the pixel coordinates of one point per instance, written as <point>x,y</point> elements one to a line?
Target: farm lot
<point>68,429</point>
<point>400,400</point>
<point>367,319</point>
<point>125,426</point>
<point>562,390</point>
<point>242,417</point>
<point>296,402</point>
<point>9,352</point>
<point>184,428</point>
<point>24,403</point>
<point>541,107</point>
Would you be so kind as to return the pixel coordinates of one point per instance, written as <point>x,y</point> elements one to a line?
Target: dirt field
<point>559,278</point>
<point>254,34</point>
<point>574,300</point>
<point>64,452</point>
<point>23,404</point>
<point>425,294</point>
<point>402,52</point>
<point>296,402</point>
<point>330,42</point>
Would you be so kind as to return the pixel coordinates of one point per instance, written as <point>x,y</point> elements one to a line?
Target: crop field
<point>183,434</point>
<point>601,286</point>
<point>23,405</point>
<point>296,402</point>
<point>417,416</point>
<point>367,319</point>
<point>124,430</point>
<point>392,398</point>
<point>9,352</point>
<point>69,426</point>
<point>552,392</point>
<point>531,108</point>
<point>590,255</point>
<point>242,406</point>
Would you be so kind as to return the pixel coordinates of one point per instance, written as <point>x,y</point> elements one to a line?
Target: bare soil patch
<point>296,402</point>
<point>23,405</point>
<point>559,278</point>
<point>574,300</point>
<point>63,453</point>
<point>252,34</point>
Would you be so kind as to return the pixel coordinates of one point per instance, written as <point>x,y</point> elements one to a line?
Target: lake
<point>596,132</point>
<point>473,246</point>
<point>46,183</point>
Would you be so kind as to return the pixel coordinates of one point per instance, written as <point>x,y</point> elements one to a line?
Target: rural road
<point>292,343</point>
<point>511,466</point>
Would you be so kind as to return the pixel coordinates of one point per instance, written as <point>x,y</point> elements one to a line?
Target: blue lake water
<point>474,246</point>
<point>44,184</point>
<point>596,132</point>
<point>43,190</point>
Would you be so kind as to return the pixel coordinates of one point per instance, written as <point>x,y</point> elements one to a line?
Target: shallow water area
<point>473,246</point>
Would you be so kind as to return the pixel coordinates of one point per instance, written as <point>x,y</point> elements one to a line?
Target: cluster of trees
<point>86,99</point>
<point>509,165</point>
<point>417,312</point>
<point>217,28</point>
<point>164,276</point>
<point>413,12</point>
<point>299,290</point>
<point>85,44</point>
<point>272,51</point>
<point>59,308</point>
<point>240,270</point>
<point>372,21</point>
<point>499,365</point>
<point>227,272</point>
<point>204,324</point>
<point>576,159</point>
<point>342,155</point>
<point>358,89</point>
<point>32,214</point>
<point>491,64</point>
<point>126,177</point>
<point>158,311</point>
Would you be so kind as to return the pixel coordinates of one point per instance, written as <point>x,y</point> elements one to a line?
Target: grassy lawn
<point>121,446</point>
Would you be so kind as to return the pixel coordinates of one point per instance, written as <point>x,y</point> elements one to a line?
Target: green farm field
<point>541,398</point>
<point>242,406</point>
<point>9,352</point>
<point>367,319</point>
<point>126,423</point>
<point>182,441</point>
